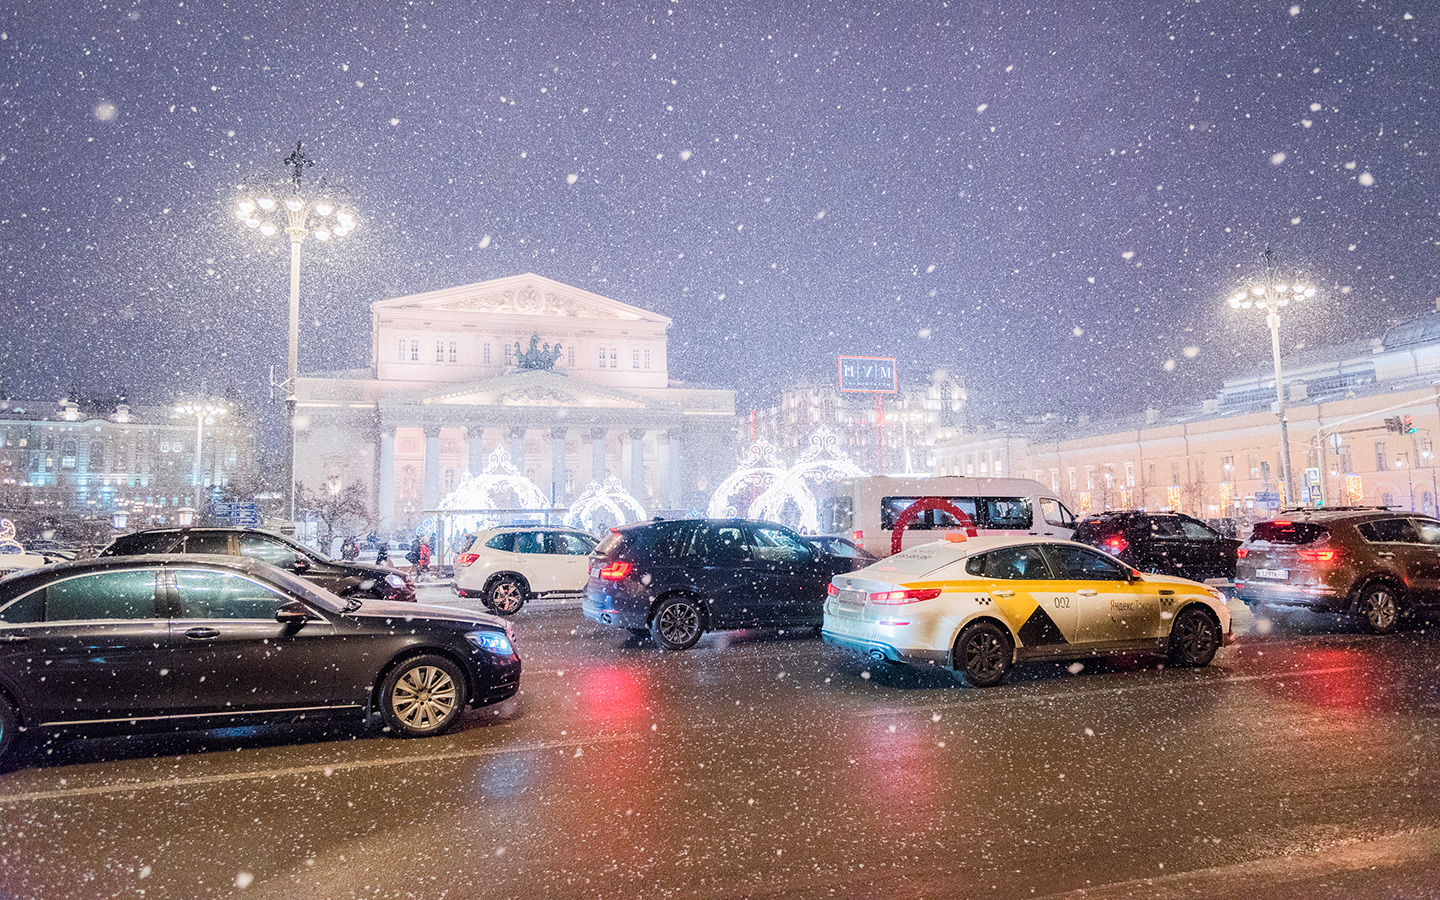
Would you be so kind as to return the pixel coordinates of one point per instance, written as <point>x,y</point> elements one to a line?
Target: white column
<point>386,480</point>
<point>636,446</point>
<point>517,448</point>
<point>432,466</point>
<point>557,464</point>
<point>475,437</point>
<point>675,470</point>
<point>597,455</point>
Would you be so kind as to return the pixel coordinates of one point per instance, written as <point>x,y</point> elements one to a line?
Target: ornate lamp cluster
<point>291,208</point>
<point>1270,296</point>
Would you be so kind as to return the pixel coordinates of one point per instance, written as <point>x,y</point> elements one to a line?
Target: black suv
<point>676,580</point>
<point>1164,543</point>
<point>344,577</point>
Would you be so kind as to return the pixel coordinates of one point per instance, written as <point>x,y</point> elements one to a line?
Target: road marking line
<point>323,769</point>
<point>1085,692</point>
<point>1254,877</point>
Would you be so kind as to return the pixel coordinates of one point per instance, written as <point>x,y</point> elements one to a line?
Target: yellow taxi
<point>980,605</point>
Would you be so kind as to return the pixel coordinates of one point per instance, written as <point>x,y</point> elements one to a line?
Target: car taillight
<point>466,559</point>
<point>1116,544</point>
<point>616,571</point>
<point>911,596</point>
<point>857,535</point>
<point>1242,552</point>
<point>1316,555</point>
<point>831,590</point>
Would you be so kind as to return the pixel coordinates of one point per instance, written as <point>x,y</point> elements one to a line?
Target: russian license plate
<point>1272,573</point>
<point>852,599</point>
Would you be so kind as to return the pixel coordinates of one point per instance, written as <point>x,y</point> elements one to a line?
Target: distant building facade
<point>911,422</point>
<point>1221,457</point>
<point>72,461</point>
<point>456,374</point>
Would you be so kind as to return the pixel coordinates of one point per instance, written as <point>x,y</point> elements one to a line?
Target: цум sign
<point>868,375</point>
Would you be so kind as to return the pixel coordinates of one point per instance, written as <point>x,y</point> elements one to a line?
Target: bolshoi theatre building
<point>572,385</point>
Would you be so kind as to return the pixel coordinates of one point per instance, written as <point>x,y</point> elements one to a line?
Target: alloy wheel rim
<point>679,622</point>
<point>1195,636</point>
<point>982,655</point>
<point>1381,609</point>
<point>424,697</point>
<point>507,596</point>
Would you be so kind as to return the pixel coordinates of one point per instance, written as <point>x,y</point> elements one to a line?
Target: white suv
<point>504,567</point>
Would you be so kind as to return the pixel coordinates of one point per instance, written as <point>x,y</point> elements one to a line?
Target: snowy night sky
<point>1053,203</point>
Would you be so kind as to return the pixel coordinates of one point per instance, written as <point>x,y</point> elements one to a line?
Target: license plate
<point>850,598</point>
<point>1272,573</point>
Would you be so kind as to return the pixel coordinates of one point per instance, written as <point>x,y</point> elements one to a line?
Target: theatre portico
<point>573,385</point>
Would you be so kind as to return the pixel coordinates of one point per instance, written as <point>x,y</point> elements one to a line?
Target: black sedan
<point>675,580</point>
<point>145,642</point>
<point>339,576</point>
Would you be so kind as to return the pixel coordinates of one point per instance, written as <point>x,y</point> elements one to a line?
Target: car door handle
<point>1087,592</point>
<point>202,634</point>
<point>1386,555</point>
<point>14,638</point>
<point>1003,593</point>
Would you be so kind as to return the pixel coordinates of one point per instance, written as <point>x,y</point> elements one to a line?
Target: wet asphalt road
<point>1304,763</point>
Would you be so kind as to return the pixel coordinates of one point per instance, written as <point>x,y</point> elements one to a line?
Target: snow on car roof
<point>927,558</point>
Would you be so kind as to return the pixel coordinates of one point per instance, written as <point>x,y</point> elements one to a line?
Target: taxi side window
<point>1011,563</point>
<point>1079,564</point>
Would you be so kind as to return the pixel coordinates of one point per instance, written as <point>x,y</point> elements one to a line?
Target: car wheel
<point>422,696</point>
<point>1379,608</point>
<point>9,726</point>
<point>678,623</point>
<point>506,595</point>
<point>1194,638</point>
<point>983,654</point>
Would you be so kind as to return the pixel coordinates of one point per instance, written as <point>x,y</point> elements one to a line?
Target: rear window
<point>140,543</point>
<point>1281,532</point>
<point>611,545</point>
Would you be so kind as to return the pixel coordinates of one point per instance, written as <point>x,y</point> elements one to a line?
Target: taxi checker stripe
<point>1040,629</point>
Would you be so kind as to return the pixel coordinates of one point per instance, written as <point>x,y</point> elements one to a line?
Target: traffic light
<point>1393,423</point>
<point>1409,424</point>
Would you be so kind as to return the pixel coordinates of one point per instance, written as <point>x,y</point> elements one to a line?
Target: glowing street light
<point>205,412</point>
<point>1269,296</point>
<point>299,210</point>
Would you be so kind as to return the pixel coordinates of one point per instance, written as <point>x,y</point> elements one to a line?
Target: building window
<point>1129,474</point>
<point>635,358</point>
<point>1197,470</point>
<point>1264,470</point>
<point>415,350</point>
<point>439,351</point>
<point>97,457</point>
<point>509,354</point>
<point>1227,468</point>
<point>401,355</point>
<point>614,357</point>
<point>449,480</point>
<point>602,357</point>
<point>486,357</point>
<point>1380,458</point>
<point>67,455</point>
<point>647,359</point>
<point>1254,466</point>
<point>570,357</point>
<point>454,357</point>
<point>1073,483</point>
<point>1174,471</point>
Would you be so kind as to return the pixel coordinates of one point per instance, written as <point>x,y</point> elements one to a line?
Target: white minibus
<point>865,509</point>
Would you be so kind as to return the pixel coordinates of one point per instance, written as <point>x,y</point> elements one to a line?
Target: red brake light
<point>857,535</point>
<point>1282,523</point>
<point>1316,555</point>
<point>616,571</point>
<point>890,598</point>
<point>466,559</point>
<point>831,590</point>
<point>1242,552</point>
<point>1116,544</point>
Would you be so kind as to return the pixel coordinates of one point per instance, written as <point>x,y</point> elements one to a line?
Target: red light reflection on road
<point>613,695</point>
<point>902,769</point>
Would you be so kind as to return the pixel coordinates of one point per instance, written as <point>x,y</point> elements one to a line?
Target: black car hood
<point>364,570</point>
<point>395,609</point>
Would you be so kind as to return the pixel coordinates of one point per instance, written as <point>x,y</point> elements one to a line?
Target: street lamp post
<point>204,411</point>
<point>299,210</point>
<point>1271,295</point>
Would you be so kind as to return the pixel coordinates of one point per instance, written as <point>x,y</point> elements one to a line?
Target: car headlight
<point>395,581</point>
<point>491,642</point>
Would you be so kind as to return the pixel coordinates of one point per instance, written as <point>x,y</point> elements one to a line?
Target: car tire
<point>1379,608</point>
<point>9,727</point>
<point>422,696</point>
<point>983,654</point>
<point>678,623</point>
<point>506,595</point>
<point>1194,638</point>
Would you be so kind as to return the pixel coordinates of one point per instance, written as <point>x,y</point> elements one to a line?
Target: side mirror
<point>292,612</point>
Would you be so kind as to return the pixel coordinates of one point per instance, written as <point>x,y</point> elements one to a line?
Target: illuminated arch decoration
<point>498,481</point>
<point>924,504</point>
<point>822,462</point>
<point>759,469</point>
<point>602,502</point>
<point>8,545</point>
